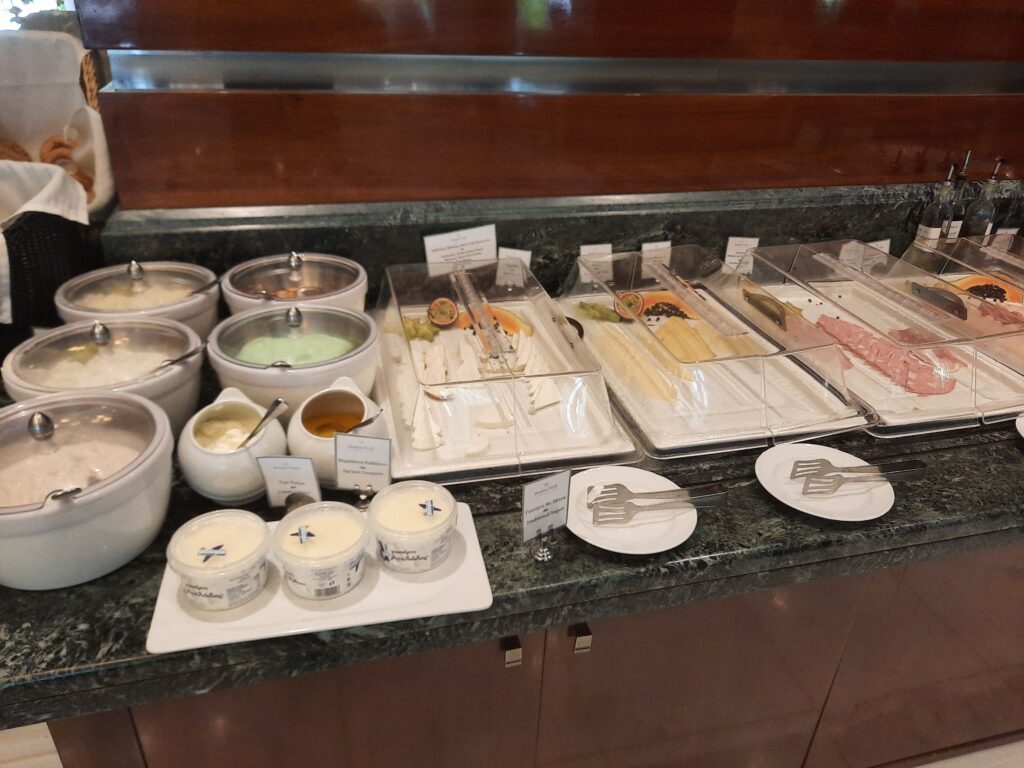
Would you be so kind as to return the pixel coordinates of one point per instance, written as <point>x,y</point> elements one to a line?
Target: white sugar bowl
<point>335,409</point>
<point>212,463</point>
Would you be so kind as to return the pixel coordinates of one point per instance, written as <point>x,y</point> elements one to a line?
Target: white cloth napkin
<point>26,187</point>
<point>40,96</point>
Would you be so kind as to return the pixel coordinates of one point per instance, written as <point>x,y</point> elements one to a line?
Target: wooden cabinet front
<point>727,682</point>
<point>935,660</point>
<point>456,707</point>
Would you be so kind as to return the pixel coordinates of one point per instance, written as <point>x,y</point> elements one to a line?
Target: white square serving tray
<point>458,585</point>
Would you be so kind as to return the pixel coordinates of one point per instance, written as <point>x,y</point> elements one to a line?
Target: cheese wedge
<point>683,341</point>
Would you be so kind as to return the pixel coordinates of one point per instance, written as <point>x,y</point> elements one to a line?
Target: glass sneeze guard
<point>701,359</point>
<point>484,377</point>
<point>924,354</point>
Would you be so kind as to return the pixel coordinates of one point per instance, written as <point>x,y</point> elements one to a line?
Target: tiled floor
<point>28,747</point>
<point>1006,756</point>
<point>32,747</point>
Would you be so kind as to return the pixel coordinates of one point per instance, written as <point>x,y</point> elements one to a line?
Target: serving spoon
<point>279,406</point>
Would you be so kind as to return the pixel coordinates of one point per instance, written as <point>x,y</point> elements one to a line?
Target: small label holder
<point>285,475</point>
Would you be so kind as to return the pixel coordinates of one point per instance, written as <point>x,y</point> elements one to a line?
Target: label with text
<point>600,269</point>
<point>736,248</point>
<point>511,262</point>
<point>660,253</point>
<point>363,463</point>
<point>545,504</point>
<point>285,475</point>
<point>452,249</point>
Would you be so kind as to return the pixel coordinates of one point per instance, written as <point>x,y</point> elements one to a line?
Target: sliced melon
<point>989,288</point>
<point>508,321</point>
<point>666,297</point>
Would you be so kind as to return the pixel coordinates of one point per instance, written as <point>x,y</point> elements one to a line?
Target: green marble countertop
<point>82,650</point>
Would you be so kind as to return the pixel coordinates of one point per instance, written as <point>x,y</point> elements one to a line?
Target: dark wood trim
<point>912,30</point>
<point>102,740</point>
<point>180,149</point>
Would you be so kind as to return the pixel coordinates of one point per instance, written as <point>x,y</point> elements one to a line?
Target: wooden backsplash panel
<point>179,149</point>
<point>909,30</point>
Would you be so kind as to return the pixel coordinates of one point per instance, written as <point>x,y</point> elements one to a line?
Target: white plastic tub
<point>221,558</point>
<point>322,548</point>
<point>413,522</point>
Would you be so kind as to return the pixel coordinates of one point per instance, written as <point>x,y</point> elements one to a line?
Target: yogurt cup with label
<point>221,558</point>
<point>322,548</point>
<point>413,522</point>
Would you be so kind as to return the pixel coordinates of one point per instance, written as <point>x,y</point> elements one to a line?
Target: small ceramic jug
<point>335,409</point>
<point>231,476</point>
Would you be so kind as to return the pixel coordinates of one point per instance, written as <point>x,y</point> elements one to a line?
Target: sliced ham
<point>1000,314</point>
<point>909,369</point>
<point>944,355</point>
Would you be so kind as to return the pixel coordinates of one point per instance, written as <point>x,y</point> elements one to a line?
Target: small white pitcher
<point>343,396</point>
<point>233,477</point>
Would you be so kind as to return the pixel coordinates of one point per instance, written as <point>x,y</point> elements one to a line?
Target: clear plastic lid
<point>932,356</point>
<point>135,286</point>
<point>323,530</point>
<point>87,355</point>
<point>295,276</point>
<point>703,357</point>
<point>296,337</point>
<point>483,375</point>
<point>69,445</point>
<point>412,508</point>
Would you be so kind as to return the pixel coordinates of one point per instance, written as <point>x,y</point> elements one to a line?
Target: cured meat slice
<point>1000,314</point>
<point>944,355</point>
<point>909,369</point>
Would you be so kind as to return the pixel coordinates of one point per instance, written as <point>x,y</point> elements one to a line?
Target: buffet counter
<point>81,650</point>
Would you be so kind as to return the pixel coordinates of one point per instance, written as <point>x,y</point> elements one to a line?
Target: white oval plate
<point>1020,425</point>
<point>645,534</point>
<point>853,503</point>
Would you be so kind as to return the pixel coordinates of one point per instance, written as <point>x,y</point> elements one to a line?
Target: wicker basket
<point>44,251</point>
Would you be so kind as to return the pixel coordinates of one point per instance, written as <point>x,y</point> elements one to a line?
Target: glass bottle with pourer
<point>982,211</point>
<point>936,217</point>
<point>961,198</point>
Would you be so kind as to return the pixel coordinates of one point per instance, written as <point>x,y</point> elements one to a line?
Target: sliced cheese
<point>426,435</point>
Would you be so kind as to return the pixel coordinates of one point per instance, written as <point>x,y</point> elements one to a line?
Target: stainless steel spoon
<point>279,406</point>
<point>181,358</point>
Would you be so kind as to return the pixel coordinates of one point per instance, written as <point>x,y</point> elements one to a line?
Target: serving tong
<point>615,503</point>
<point>823,478</point>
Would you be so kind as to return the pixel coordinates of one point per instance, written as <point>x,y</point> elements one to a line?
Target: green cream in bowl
<point>300,350</point>
<point>294,352</point>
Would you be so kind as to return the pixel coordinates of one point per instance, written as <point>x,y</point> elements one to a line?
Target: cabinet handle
<point>513,650</point>
<point>582,638</point>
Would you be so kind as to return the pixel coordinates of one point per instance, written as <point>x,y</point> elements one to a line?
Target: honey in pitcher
<point>332,412</point>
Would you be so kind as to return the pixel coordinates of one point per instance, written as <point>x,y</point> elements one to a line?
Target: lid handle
<point>135,271</point>
<point>100,334</point>
<point>295,261</point>
<point>293,317</point>
<point>40,426</point>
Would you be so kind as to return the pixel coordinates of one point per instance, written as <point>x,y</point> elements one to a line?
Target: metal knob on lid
<point>40,426</point>
<point>135,271</point>
<point>100,334</point>
<point>293,317</point>
<point>295,262</point>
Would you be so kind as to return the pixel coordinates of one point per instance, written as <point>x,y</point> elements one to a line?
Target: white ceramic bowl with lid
<point>115,449</point>
<point>294,352</point>
<point>153,289</point>
<point>221,558</point>
<point>321,548</point>
<point>121,356</point>
<point>288,278</point>
<point>413,522</point>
